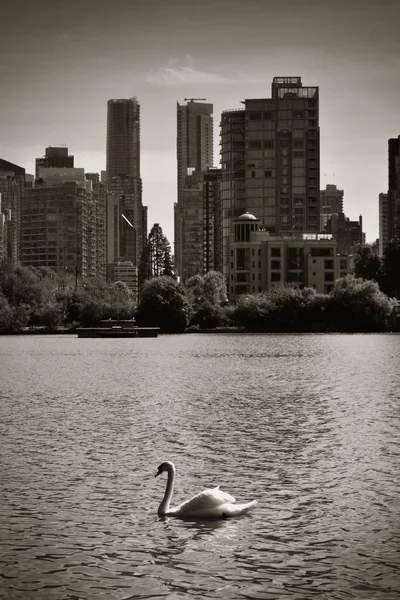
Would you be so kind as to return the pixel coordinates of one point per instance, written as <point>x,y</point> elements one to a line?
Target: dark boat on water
<point>113,328</point>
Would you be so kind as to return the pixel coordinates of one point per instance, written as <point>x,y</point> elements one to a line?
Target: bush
<point>163,304</point>
<point>209,316</point>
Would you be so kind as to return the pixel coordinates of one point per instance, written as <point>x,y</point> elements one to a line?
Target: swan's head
<point>165,466</point>
<point>161,469</point>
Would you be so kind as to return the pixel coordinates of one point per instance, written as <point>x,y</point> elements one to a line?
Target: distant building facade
<point>12,185</point>
<point>270,155</point>
<point>331,202</point>
<point>194,154</point>
<point>55,156</point>
<point>259,260</point>
<point>59,228</point>
<point>394,188</point>
<point>383,223</point>
<point>200,224</point>
<point>348,234</point>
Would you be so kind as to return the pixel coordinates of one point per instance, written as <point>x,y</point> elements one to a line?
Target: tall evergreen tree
<point>156,260</point>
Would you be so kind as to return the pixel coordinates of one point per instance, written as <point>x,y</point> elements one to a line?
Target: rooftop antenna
<point>195,99</point>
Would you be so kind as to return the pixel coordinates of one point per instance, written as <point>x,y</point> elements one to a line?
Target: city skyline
<point>60,70</point>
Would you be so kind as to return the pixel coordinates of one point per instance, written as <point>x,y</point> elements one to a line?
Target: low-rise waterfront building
<point>260,260</point>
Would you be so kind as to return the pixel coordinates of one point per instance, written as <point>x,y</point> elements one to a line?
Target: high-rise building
<point>55,156</point>
<point>383,223</point>
<point>331,202</point>
<point>12,184</point>
<point>127,229</point>
<point>59,224</point>
<point>394,188</point>
<point>194,153</point>
<point>200,224</point>
<point>271,161</point>
<point>123,138</point>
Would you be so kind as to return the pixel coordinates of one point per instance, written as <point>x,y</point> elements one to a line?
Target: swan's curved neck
<point>164,506</point>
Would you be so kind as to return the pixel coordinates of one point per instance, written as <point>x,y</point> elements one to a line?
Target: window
<point>329,264</point>
<point>298,114</point>
<point>329,276</point>
<point>254,116</point>
<point>269,144</point>
<point>343,264</point>
<point>254,144</point>
<point>276,252</point>
<point>253,173</point>
<point>267,115</point>
<point>295,258</point>
<point>314,273</point>
<point>275,264</point>
<point>267,173</point>
<point>299,143</point>
<point>275,277</point>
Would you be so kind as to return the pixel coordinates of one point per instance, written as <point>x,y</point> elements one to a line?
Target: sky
<point>61,61</point>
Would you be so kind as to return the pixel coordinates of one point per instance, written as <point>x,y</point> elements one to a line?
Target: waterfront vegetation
<point>368,301</point>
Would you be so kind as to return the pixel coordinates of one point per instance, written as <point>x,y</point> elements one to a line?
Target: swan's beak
<point>157,474</point>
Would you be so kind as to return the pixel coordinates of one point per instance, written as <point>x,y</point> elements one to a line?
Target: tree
<point>391,268</point>
<point>163,304</point>
<point>209,288</point>
<point>367,263</point>
<point>156,260</point>
<point>359,305</point>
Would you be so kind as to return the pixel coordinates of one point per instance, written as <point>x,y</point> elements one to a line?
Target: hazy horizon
<point>61,63</point>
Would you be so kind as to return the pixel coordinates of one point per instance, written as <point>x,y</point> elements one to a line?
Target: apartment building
<point>270,155</point>
<point>259,260</point>
<point>59,225</point>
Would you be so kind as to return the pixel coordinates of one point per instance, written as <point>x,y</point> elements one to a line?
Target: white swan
<point>209,504</point>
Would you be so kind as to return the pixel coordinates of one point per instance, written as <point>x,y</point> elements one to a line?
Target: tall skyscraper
<point>383,223</point>
<point>55,156</point>
<point>394,188</point>
<point>123,181</point>
<point>271,161</point>
<point>12,184</point>
<point>123,138</point>
<point>194,153</point>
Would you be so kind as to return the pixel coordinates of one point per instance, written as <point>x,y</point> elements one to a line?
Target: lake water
<point>307,424</point>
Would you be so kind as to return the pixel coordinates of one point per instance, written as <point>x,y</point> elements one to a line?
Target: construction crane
<point>195,99</point>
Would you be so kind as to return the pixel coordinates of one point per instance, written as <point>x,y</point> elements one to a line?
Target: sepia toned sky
<point>61,61</point>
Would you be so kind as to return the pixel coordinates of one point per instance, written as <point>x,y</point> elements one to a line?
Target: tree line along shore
<point>36,299</point>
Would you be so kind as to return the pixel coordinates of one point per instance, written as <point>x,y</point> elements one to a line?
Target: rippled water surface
<point>307,424</point>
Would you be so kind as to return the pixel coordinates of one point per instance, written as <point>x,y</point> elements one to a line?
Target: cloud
<point>185,72</point>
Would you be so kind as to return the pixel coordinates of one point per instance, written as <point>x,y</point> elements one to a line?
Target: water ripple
<point>308,425</point>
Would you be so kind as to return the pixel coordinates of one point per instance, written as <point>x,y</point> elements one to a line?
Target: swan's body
<point>209,504</point>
